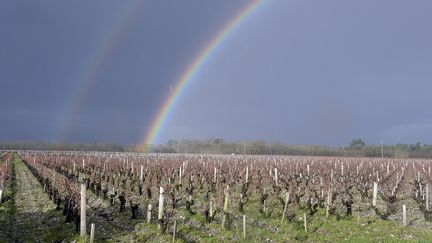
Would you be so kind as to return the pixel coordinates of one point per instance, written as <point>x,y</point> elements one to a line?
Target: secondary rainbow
<point>188,75</point>
<point>95,67</point>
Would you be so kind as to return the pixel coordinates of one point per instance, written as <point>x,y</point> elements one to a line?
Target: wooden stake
<point>305,222</point>
<point>225,208</point>
<point>211,209</point>
<point>174,230</point>
<point>427,197</point>
<point>244,226</point>
<point>285,206</point>
<point>404,215</point>
<point>328,202</point>
<point>149,212</point>
<point>161,205</point>
<point>83,209</point>
<point>375,193</point>
<point>180,176</point>
<point>92,233</point>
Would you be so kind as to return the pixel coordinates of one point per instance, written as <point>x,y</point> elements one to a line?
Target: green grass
<point>193,228</point>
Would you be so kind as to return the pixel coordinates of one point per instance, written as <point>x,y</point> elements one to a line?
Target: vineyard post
<point>83,209</point>
<point>244,226</point>
<point>92,232</point>
<point>1,195</point>
<point>142,173</point>
<point>225,208</point>
<point>427,197</point>
<point>180,176</point>
<point>211,209</point>
<point>161,205</point>
<point>328,202</point>
<point>247,174</point>
<point>276,175</point>
<point>214,174</point>
<point>74,168</point>
<point>305,222</point>
<point>342,170</point>
<point>285,206</point>
<point>149,211</point>
<point>404,215</point>
<point>174,230</point>
<point>421,191</point>
<point>83,163</point>
<point>375,193</point>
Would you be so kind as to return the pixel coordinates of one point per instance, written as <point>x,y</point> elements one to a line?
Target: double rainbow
<point>100,57</point>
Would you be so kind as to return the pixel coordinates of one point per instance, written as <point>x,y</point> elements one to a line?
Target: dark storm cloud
<point>46,46</point>
<point>296,71</point>
<point>320,72</point>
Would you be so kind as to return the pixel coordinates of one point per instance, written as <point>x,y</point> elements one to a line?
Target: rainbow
<point>188,75</point>
<point>89,76</point>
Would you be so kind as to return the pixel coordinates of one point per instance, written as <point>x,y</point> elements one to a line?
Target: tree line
<point>357,148</point>
<point>46,146</point>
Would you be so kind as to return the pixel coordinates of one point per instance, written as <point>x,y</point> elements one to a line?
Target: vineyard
<point>67,196</point>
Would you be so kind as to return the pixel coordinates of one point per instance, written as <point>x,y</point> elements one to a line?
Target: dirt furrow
<point>36,219</point>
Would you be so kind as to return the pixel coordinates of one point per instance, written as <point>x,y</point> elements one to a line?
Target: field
<point>212,198</point>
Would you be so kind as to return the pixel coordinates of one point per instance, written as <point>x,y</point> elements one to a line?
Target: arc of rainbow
<point>189,74</point>
<point>90,74</point>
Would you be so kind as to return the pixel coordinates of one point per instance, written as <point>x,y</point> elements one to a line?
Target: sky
<point>296,72</point>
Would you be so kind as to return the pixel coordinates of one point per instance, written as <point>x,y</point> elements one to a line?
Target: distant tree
<point>357,143</point>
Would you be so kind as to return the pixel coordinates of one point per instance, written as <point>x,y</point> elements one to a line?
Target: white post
<point>149,211</point>
<point>427,197</point>
<point>92,233</point>
<point>276,175</point>
<point>83,210</point>
<point>342,170</point>
<point>1,195</point>
<point>161,204</point>
<point>211,209</point>
<point>247,174</point>
<point>214,175</point>
<point>142,173</point>
<point>174,230</point>
<point>305,222</point>
<point>83,163</point>
<point>375,193</point>
<point>180,176</point>
<point>404,215</point>
<point>244,226</point>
